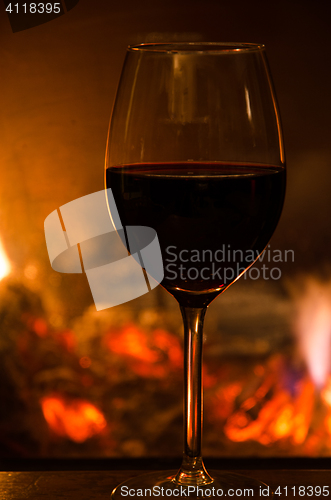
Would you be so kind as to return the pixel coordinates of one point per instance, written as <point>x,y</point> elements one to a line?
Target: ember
<point>275,412</point>
<point>149,355</point>
<point>77,420</point>
<point>262,402</point>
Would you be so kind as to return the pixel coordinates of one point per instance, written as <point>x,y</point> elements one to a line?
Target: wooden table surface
<point>98,484</point>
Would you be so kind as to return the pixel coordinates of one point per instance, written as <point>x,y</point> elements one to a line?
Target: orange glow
<point>326,398</point>
<point>150,354</point>
<point>313,327</point>
<point>77,420</point>
<point>303,414</point>
<point>68,339</point>
<point>132,341</point>
<point>5,266</point>
<point>85,362</point>
<point>273,413</point>
<point>40,327</point>
<point>31,272</point>
<point>282,402</point>
<point>169,344</point>
<point>326,392</point>
<point>226,399</point>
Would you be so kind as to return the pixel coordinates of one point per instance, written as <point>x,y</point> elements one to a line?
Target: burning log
<point>109,383</point>
<point>76,419</point>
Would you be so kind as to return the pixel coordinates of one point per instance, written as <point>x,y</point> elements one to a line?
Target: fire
<point>5,266</point>
<point>283,417</point>
<point>131,341</point>
<point>76,419</point>
<point>287,401</point>
<point>151,354</point>
<point>286,410</point>
<point>313,328</point>
<point>280,409</point>
<point>290,406</point>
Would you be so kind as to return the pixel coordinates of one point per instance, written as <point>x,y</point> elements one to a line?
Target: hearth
<point>109,383</point>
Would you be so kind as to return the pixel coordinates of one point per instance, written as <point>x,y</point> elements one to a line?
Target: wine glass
<point>195,152</point>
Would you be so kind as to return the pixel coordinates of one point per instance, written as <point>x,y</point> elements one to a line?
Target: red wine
<point>211,218</point>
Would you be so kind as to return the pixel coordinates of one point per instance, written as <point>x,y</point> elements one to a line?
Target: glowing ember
<point>151,354</point>
<point>85,362</point>
<point>68,339</point>
<point>40,327</point>
<point>275,412</point>
<point>131,341</point>
<point>77,420</point>
<point>5,266</point>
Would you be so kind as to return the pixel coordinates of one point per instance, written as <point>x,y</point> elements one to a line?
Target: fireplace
<point>80,383</point>
<point>109,383</point>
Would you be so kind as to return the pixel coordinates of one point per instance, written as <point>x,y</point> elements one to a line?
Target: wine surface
<point>212,219</point>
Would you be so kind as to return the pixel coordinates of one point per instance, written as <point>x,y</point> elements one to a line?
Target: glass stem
<point>192,471</point>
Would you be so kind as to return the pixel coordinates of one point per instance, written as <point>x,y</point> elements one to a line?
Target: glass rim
<point>196,47</point>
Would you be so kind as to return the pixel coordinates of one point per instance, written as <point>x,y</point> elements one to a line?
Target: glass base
<point>162,484</point>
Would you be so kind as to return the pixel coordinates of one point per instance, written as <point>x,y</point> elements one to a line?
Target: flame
<point>275,412</point>
<point>5,266</point>
<point>326,398</point>
<point>77,420</point>
<point>131,341</point>
<point>313,328</point>
<point>282,417</point>
<point>150,354</point>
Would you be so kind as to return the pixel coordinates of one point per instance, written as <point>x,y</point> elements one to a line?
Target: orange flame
<point>273,413</point>
<point>5,266</point>
<point>77,420</point>
<point>150,354</point>
<point>286,404</point>
<point>281,417</point>
<point>131,341</point>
